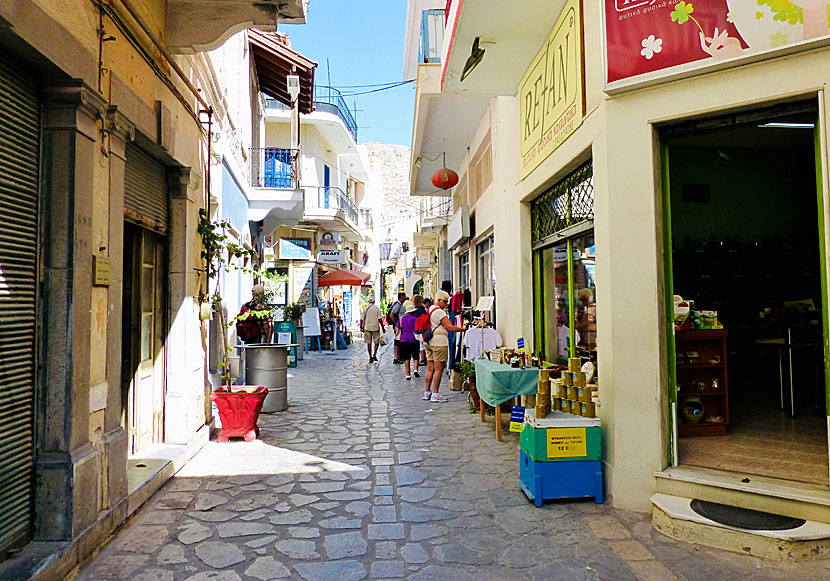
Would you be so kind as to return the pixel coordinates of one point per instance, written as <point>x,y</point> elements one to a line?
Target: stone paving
<point>360,478</point>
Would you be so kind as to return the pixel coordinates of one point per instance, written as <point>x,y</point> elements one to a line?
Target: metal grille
<point>145,191</point>
<point>568,203</point>
<point>19,176</point>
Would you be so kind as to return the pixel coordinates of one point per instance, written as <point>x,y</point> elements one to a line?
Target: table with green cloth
<point>497,383</point>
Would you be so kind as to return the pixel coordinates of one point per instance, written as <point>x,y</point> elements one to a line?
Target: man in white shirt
<point>371,323</point>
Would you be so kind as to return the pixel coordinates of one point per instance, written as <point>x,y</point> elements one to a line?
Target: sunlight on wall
<point>4,287</point>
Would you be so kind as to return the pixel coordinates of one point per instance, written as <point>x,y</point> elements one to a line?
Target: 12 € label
<point>567,443</point>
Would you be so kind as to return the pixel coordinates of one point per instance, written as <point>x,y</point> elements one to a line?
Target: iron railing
<point>326,99</point>
<point>568,203</point>
<point>331,100</point>
<point>274,167</point>
<point>433,24</point>
<point>331,198</point>
<point>437,208</point>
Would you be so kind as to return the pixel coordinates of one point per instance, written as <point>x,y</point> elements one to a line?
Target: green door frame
<point>668,303</point>
<point>822,241</point>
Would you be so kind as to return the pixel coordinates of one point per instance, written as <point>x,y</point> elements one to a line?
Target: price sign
<point>520,343</point>
<point>567,443</point>
<point>517,418</point>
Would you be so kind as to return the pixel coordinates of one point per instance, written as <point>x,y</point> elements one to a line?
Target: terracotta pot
<point>239,411</point>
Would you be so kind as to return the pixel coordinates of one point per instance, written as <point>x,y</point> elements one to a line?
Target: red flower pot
<point>239,411</point>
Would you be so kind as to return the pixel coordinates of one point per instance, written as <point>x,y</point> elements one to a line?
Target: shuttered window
<point>145,191</point>
<point>19,176</point>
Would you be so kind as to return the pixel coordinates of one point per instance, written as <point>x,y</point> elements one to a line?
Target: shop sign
<point>551,91</point>
<point>303,283</point>
<point>330,257</point>
<point>347,308</point>
<point>423,258</point>
<point>328,240</point>
<point>652,39</point>
<point>567,443</point>
<point>517,418</point>
<point>295,248</point>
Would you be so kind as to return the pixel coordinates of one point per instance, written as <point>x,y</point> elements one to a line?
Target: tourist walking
<point>410,347</point>
<point>438,347</point>
<point>371,324</point>
<point>395,313</point>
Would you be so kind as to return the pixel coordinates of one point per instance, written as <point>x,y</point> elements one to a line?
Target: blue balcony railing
<point>433,23</point>
<point>273,167</point>
<point>330,100</point>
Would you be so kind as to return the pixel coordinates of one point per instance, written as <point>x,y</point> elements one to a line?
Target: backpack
<point>248,330</point>
<point>422,327</point>
<point>392,316</point>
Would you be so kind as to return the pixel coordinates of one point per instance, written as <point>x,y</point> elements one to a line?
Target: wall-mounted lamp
<point>418,161</point>
<point>293,86</point>
<point>473,60</point>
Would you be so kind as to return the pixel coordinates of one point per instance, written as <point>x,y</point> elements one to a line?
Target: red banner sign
<point>646,36</point>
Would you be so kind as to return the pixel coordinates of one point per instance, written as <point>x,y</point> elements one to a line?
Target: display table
<point>497,383</point>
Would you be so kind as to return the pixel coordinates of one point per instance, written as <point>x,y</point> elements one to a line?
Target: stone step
<point>674,517</point>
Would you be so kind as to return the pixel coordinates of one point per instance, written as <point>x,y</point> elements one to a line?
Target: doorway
<point>143,331</point>
<point>745,272</point>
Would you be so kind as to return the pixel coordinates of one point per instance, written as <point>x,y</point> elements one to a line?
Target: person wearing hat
<point>371,324</point>
<point>410,347</point>
<point>438,348</point>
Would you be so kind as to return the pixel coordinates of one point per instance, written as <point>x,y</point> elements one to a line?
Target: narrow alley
<point>361,478</point>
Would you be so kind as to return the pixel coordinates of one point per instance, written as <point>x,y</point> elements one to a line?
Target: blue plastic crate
<point>551,480</point>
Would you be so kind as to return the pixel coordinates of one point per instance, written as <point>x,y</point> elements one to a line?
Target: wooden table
<point>497,383</point>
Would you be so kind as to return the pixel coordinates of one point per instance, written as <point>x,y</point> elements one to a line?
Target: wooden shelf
<point>700,393</point>
<point>702,429</point>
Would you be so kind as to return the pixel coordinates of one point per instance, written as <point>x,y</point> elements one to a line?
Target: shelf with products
<point>702,382</point>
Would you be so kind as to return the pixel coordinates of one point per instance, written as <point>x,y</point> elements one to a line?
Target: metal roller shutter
<point>145,191</point>
<point>19,179</point>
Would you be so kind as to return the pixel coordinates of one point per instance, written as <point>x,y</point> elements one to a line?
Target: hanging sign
<point>652,39</point>
<point>551,92</point>
<point>517,418</point>
<point>295,248</point>
<point>567,442</point>
<point>328,240</point>
<point>423,257</point>
<point>330,257</point>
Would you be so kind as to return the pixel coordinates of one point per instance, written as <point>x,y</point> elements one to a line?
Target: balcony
<point>273,167</point>
<point>435,212</point>
<point>326,100</point>
<point>331,198</point>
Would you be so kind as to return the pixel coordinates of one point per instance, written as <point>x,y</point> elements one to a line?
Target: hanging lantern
<point>444,178</point>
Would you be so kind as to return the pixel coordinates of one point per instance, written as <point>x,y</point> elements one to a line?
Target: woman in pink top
<point>410,346</point>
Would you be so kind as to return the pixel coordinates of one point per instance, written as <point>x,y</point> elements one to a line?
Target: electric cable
<point>367,86</point>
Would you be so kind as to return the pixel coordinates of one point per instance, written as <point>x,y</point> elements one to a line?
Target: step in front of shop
<point>679,518</point>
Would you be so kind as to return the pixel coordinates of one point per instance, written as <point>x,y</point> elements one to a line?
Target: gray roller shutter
<point>145,191</point>
<point>19,177</point>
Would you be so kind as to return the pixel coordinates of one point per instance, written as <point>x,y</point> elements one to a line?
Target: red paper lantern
<point>444,179</point>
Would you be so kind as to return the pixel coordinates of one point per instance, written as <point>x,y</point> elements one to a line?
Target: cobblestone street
<point>360,478</point>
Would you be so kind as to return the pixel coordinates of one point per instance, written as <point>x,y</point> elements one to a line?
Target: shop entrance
<point>745,269</point>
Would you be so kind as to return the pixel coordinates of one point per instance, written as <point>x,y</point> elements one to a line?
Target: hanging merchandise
<point>479,340</point>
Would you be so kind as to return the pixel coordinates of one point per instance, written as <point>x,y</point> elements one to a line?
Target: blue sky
<point>363,40</point>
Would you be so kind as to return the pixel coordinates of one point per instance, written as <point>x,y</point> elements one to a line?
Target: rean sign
<point>551,92</point>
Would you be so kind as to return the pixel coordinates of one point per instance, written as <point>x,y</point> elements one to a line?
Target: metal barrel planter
<point>267,364</point>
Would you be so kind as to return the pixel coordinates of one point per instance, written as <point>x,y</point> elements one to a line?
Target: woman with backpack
<point>436,343</point>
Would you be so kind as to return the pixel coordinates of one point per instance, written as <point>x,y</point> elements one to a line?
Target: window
<point>481,170</point>
<point>486,275</point>
<point>565,299</point>
<point>459,194</point>
<point>464,270</point>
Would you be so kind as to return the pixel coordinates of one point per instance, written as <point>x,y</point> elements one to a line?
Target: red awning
<point>343,278</point>
<point>274,62</point>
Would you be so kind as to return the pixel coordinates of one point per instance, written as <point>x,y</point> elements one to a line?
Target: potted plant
<point>238,405</point>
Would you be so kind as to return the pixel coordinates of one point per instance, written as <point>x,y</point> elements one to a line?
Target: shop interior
<point>745,244</point>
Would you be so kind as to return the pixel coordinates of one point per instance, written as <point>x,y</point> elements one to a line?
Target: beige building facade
<point>105,167</point>
<point>623,148</point>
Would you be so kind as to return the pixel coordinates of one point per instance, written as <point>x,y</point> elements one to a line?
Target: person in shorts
<point>410,347</point>
<point>438,348</point>
<point>371,324</point>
